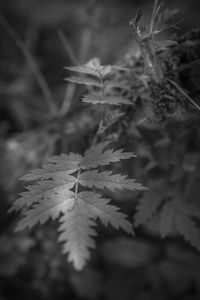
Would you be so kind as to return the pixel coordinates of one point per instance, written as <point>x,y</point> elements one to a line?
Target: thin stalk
<point>144,39</point>
<point>77,181</point>
<point>68,48</point>
<point>32,64</point>
<point>71,88</point>
<point>184,93</point>
<point>101,127</point>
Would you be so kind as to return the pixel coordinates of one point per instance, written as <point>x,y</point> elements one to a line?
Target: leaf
<point>77,225</point>
<point>85,69</point>
<point>59,166</point>
<point>160,18</point>
<point>147,207</point>
<point>107,213</point>
<point>94,68</point>
<point>108,180</point>
<point>95,156</point>
<point>76,233</point>
<point>111,100</point>
<point>180,214</point>
<point>94,63</point>
<point>58,203</point>
<point>56,166</point>
<point>186,227</point>
<point>44,190</point>
<point>166,219</point>
<point>84,80</point>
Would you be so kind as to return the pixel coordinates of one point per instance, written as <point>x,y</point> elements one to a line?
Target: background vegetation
<point>62,33</point>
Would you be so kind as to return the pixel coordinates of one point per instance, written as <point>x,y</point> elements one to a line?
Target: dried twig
<point>184,93</point>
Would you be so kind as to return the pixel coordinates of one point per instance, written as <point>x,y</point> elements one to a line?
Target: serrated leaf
<point>83,69</point>
<point>77,225</point>
<point>60,166</point>
<point>44,190</point>
<point>84,80</point>
<point>94,68</point>
<point>147,207</point>
<point>166,220</point>
<point>108,214</point>
<point>51,207</point>
<point>94,63</point>
<point>76,233</point>
<point>96,156</point>
<point>110,100</point>
<point>71,160</point>
<point>55,167</point>
<point>187,227</point>
<point>108,180</point>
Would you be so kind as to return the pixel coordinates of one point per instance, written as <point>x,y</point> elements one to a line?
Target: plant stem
<point>77,181</point>
<point>144,38</point>
<point>184,93</point>
<point>101,127</point>
<point>68,48</point>
<point>33,65</point>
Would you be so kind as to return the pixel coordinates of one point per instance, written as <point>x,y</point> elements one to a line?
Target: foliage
<point>67,185</point>
<point>165,202</point>
<point>100,77</point>
<point>54,197</point>
<point>172,214</point>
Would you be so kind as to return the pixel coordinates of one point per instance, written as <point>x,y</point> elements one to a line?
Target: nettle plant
<point>72,187</point>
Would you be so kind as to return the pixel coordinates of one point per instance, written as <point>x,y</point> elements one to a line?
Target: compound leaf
<point>53,198</point>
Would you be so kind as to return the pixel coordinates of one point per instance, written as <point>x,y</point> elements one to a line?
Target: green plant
<point>57,191</point>
<point>172,213</point>
<point>67,187</point>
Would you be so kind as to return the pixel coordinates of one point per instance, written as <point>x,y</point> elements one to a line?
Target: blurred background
<point>38,39</point>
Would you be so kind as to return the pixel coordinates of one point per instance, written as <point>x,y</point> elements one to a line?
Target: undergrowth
<point>72,187</point>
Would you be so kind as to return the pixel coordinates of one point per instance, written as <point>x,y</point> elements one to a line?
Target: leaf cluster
<point>172,214</point>
<point>62,191</point>
<point>101,79</point>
